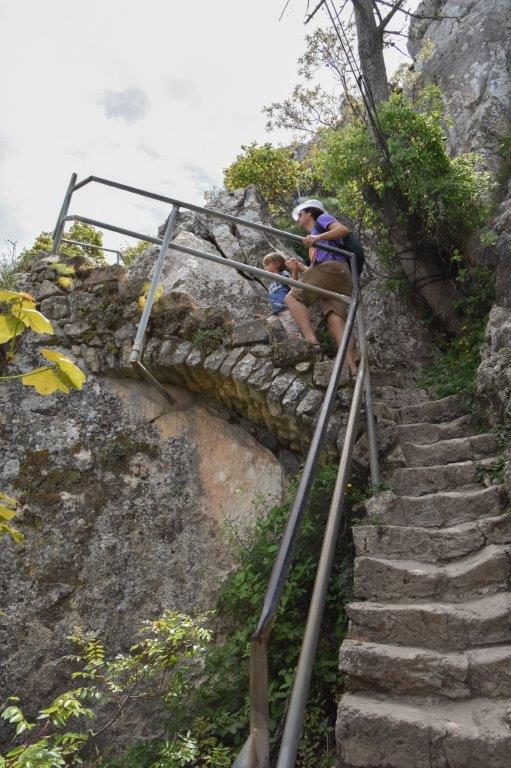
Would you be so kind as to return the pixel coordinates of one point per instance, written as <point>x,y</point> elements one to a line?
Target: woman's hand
<point>311,239</point>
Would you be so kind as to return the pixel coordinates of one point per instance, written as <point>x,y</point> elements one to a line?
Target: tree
<point>365,86</point>
<point>273,171</point>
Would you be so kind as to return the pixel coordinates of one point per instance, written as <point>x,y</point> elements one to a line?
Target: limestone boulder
<point>125,504</point>
<point>467,53</point>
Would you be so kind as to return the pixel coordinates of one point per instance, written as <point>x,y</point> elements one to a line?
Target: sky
<point>159,95</point>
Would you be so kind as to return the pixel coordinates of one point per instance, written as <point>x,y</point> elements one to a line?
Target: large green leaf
<point>15,297</point>
<point>33,319</point>
<point>9,326</point>
<point>62,376</point>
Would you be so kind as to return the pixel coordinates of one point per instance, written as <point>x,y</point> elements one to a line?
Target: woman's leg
<point>300,314</point>
<point>336,327</point>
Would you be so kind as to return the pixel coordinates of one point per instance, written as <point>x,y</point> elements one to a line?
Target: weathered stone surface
<point>408,732</point>
<point>471,448</point>
<point>494,373</point>
<point>437,509</point>
<point>112,273</point>
<point>475,575</point>
<point>437,625</point>
<point>252,332</point>
<point>47,289</point>
<point>124,499</point>
<point>469,60</point>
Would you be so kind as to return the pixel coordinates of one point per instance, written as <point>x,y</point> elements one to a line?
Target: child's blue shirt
<point>278,292</point>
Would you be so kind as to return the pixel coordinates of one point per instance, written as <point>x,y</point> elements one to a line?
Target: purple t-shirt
<point>324,221</point>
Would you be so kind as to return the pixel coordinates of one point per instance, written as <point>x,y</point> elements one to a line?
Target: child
<point>276,264</point>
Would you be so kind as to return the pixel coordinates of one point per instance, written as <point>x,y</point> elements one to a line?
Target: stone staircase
<point>428,655</point>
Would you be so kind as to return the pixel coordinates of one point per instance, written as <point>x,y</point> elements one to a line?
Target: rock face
<point>242,296</point>
<point>468,54</point>
<point>125,500</point>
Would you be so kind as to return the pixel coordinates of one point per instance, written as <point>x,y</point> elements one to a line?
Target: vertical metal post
<point>57,232</point>
<point>368,398</point>
<point>139,338</point>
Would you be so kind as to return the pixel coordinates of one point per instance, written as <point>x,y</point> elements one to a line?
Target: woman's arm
<point>335,231</point>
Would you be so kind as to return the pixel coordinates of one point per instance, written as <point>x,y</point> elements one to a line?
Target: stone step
<point>417,481</point>
<point>425,434</point>
<point>434,510</point>
<point>431,545</point>
<point>411,732</point>
<point>432,411</point>
<point>481,573</point>
<point>397,397</point>
<point>419,671</point>
<point>458,449</point>
<point>435,411</point>
<point>436,625</point>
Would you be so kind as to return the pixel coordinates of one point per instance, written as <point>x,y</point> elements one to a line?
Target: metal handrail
<point>96,247</point>
<point>255,753</point>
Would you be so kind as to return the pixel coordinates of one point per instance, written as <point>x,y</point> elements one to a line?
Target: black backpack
<point>349,243</point>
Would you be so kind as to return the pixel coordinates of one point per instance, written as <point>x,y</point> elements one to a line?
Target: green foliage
<point>20,314</point>
<point>80,231</point>
<point>221,702</point>
<point>274,172</point>
<point>446,198</point>
<point>9,266</point>
<point>208,338</point>
<point>131,252</point>
<point>455,370</point>
<point>168,653</point>
<point>8,510</point>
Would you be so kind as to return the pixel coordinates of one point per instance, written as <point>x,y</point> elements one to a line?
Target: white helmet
<point>306,204</point>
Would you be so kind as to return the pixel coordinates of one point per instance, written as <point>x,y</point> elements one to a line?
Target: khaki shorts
<point>331,276</point>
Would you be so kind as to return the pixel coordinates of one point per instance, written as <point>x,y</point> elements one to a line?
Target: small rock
<point>47,289</point>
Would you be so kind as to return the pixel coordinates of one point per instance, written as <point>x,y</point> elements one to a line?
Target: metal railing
<point>118,260</point>
<point>256,751</point>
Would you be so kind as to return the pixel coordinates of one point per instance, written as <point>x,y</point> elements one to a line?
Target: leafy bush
<point>454,372</point>
<point>275,173</point>
<point>446,198</point>
<point>131,252</point>
<point>215,716</point>
<point>9,266</point>
<point>80,231</point>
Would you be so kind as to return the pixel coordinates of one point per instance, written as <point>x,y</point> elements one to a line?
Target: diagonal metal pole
<point>59,228</point>
<point>299,693</point>
<point>136,350</point>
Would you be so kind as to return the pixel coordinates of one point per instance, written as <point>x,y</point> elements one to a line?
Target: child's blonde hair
<point>274,258</point>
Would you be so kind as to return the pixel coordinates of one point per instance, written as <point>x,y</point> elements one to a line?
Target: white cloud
<point>182,89</point>
<point>129,105</point>
<point>149,151</point>
<point>200,176</point>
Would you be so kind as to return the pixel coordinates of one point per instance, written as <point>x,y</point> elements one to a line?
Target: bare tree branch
<point>417,15</point>
<point>284,10</point>
<point>380,19</point>
<point>314,12</point>
<point>395,7</point>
